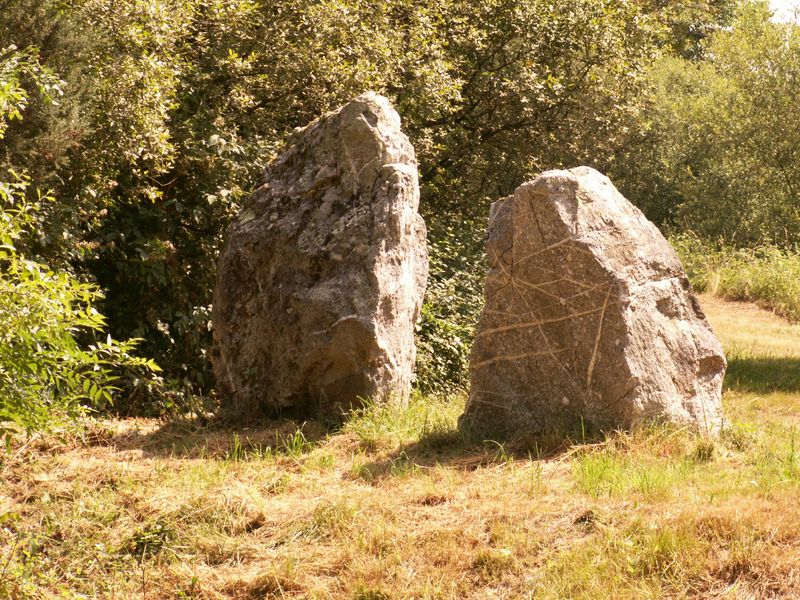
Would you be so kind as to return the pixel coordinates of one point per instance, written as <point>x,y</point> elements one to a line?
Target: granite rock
<point>589,319</point>
<point>322,276</point>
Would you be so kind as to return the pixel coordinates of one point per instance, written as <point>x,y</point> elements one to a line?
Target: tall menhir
<point>322,276</point>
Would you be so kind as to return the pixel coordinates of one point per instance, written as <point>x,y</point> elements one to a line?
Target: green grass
<point>767,275</point>
<point>397,504</point>
<point>378,425</point>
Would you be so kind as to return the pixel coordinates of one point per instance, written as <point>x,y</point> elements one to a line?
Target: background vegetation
<point>722,156</point>
<point>148,121</point>
<point>766,275</point>
<point>46,374</point>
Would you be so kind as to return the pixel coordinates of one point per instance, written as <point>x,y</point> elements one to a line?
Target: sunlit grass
<point>397,504</point>
<point>767,275</point>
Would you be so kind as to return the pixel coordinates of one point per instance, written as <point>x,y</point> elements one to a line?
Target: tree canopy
<point>723,136</point>
<point>171,109</point>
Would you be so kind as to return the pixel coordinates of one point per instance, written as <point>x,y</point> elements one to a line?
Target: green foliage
<point>766,275</point>
<point>690,23</point>
<point>453,302</point>
<point>721,152</point>
<point>171,108</point>
<point>45,373</point>
<point>15,65</point>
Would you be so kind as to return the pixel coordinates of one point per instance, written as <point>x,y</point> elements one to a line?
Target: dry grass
<point>398,505</point>
<point>747,329</point>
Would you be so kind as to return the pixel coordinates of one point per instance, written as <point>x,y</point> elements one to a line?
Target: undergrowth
<point>766,275</point>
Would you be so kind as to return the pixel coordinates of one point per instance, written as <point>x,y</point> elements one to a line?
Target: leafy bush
<point>45,372</point>
<point>766,275</point>
<point>452,305</point>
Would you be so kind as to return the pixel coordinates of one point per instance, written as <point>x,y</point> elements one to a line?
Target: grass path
<point>397,505</point>
<point>745,328</point>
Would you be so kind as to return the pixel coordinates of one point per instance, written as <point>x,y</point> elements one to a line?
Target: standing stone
<point>321,280</point>
<point>589,318</point>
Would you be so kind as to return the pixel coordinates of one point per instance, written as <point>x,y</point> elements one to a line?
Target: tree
<point>723,146</point>
<point>173,107</point>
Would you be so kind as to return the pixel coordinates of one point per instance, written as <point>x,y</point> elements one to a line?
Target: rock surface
<point>589,318</point>
<point>322,276</point>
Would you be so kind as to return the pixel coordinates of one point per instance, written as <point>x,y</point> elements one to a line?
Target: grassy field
<point>397,505</point>
<point>767,275</point>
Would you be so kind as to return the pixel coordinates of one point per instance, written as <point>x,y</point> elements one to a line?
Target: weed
<point>149,541</point>
<point>401,466</point>
<point>191,591</point>
<point>535,477</point>
<point>237,452</point>
<point>651,463</point>
<point>320,461</point>
<point>293,445</point>
<point>362,468</point>
<point>501,454</point>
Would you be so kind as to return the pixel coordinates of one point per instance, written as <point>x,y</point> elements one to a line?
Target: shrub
<point>450,314</point>
<point>45,373</point>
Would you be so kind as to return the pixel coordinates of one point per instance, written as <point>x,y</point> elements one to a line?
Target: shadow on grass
<point>456,449</point>
<point>763,375</point>
<point>217,440</point>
